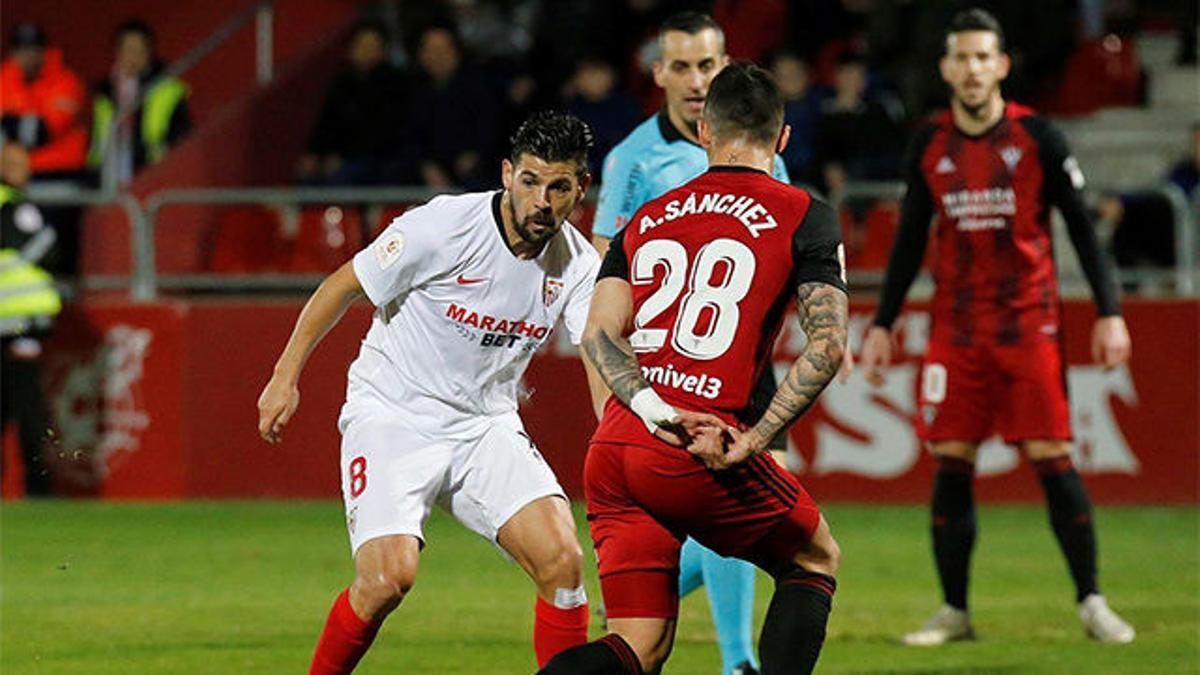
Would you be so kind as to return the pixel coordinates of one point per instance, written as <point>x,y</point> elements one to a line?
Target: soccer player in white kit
<point>466,288</point>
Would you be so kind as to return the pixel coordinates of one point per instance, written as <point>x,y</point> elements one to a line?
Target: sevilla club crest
<point>551,289</point>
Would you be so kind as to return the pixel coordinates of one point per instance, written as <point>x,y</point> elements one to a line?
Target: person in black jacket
<point>358,134</point>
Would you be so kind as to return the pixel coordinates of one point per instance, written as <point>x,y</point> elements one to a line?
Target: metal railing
<point>145,281</point>
<point>1184,277</point>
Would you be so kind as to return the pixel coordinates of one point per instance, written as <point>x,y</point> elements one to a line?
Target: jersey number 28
<point>730,261</point>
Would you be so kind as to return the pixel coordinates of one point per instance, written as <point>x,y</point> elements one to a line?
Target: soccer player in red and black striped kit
<point>987,172</point>
<point>688,303</point>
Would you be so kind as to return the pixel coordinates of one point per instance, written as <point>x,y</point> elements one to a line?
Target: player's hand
<point>876,354</point>
<point>276,405</point>
<point>744,446</point>
<point>685,425</point>
<point>847,367</point>
<point>1111,345</point>
<point>709,444</point>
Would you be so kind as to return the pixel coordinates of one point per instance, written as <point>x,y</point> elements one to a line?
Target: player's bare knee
<point>831,556</point>
<point>561,568</point>
<point>383,589</point>
<point>822,554</point>
<point>652,649</point>
<point>386,571</point>
<point>1049,449</point>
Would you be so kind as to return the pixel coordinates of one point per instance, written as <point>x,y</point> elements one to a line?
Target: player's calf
<point>610,655</point>
<point>794,630</point>
<point>541,538</point>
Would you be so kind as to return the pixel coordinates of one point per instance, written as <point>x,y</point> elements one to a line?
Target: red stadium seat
<point>582,218</point>
<point>1105,72</point>
<point>879,234</point>
<point>326,237</point>
<point>247,240</point>
<point>382,217</point>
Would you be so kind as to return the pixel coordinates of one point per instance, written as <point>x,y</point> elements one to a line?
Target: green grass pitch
<point>243,587</point>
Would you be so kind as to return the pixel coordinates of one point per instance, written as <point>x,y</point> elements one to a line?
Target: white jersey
<point>458,316</point>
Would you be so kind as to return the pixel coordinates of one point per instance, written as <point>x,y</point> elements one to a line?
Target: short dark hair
<point>976,19</point>
<point>690,23</point>
<point>744,99</point>
<point>27,34</point>
<point>136,27</point>
<point>554,137</point>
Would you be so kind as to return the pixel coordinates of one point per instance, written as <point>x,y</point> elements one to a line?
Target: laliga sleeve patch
<point>388,249</point>
<point>1071,167</point>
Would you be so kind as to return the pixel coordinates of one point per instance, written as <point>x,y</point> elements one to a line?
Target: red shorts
<point>1016,391</point>
<point>644,501</point>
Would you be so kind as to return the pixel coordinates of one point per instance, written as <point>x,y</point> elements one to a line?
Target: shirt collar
<point>735,168</point>
<point>669,133</point>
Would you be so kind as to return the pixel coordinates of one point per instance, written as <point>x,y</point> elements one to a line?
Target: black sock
<point>610,655</point>
<point>1071,517</point>
<point>794,629</point>
<point>953,526</point>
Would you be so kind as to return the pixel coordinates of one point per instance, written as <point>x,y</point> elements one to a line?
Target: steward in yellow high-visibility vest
<point>160,122</point>
<point>29,303</point>
<point>28,299</point>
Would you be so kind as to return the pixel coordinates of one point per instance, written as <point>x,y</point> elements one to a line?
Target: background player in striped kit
<point>988,172</point>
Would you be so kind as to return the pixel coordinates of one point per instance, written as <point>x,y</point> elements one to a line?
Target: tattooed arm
<point>823,316</point>
<point>604,343</point>
<point>606,347</point>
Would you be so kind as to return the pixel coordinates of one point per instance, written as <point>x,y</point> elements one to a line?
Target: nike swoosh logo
<point>467,282</point>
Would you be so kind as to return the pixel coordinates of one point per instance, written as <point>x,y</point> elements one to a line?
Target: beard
<point>524,227</point>
<point>977,109</point>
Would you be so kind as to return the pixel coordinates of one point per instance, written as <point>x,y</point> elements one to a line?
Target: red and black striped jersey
<point>712,266</point>
<point>989,198</point>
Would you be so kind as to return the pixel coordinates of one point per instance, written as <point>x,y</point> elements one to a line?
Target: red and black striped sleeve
<point>1063,188</point>
<point>916,212</point>
<point>817,253</point>
<point>616,262</point>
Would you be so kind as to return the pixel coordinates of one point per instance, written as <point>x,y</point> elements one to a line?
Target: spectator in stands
<point>803,101</point>
<point>1186,174</point>
<point>452,119</point>
<point>41,103</point>
<point>41,109</point>
<point>752,29</point>
<point>149,107</point>
<point>593,96</point>
<point>1145,222</point>
<point>358,137</point>
<point>860,136</point>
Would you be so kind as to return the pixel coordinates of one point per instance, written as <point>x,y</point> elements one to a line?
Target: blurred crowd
<point>429,91</point>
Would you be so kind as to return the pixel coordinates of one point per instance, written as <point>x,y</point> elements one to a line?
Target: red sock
<point>557,629</point>
<point>344,641</point>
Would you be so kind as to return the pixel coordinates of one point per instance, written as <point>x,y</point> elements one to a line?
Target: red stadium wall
<point>162,398</point>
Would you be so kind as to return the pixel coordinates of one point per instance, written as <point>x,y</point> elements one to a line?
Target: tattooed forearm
<point>823,315</point>
<point>615,362</point>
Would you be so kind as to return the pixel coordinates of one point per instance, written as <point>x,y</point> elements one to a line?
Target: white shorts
<point>392,476</point>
